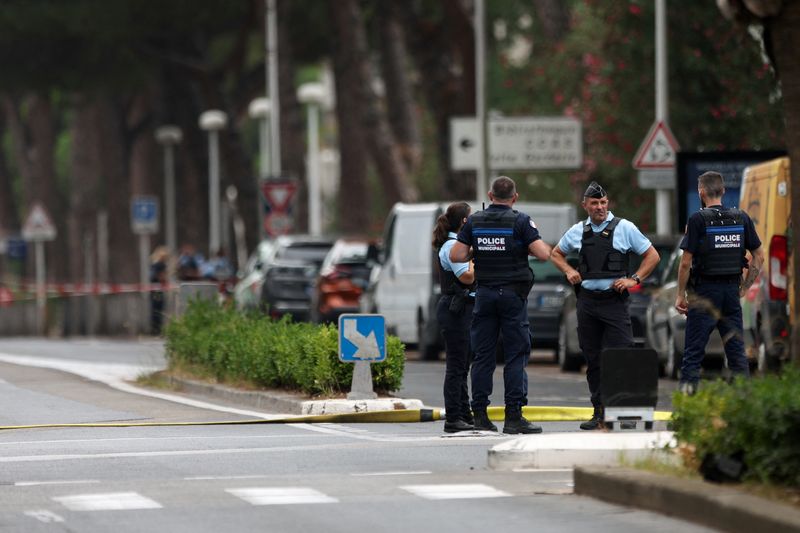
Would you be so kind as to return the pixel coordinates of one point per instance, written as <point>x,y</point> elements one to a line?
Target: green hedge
<point>233,346</point>
<point>757,419</point>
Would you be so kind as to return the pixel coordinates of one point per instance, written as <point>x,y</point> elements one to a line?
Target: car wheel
<point>568,362</point>
<point>672,367</point>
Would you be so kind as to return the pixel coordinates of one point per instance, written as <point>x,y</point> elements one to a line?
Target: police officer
<point>454,313</point>
<point>501,240</point>
<point>602,280</point>
<point>711,269</point>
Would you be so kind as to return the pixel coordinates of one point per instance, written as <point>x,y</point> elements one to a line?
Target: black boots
<point>457,425</point>
<point>482,422</point>
<point>597,420</point>
<point>516,423</point>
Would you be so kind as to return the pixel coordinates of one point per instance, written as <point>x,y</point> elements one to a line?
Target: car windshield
<point>545,271</point>
<point>307,251</point>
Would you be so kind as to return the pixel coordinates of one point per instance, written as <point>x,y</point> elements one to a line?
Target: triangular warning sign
<point>38,226</point>
<point>278,194</point>
<point>658,150</point>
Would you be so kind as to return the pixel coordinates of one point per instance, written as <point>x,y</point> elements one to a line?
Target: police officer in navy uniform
<point>501,240</point>
<point>602,280</point>
<point>714,256</point>
<point>454,314</point>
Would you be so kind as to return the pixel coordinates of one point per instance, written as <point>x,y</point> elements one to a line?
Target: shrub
<point>755,419</point>
<point>229,345</point>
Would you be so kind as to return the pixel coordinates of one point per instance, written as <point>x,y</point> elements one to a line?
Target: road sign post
<point>39,228</point>
<point>655,161</point>
<point>362,340</point>
<point>144,222</point>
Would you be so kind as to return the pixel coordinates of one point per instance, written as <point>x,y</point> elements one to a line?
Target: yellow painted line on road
<point>532,413</point>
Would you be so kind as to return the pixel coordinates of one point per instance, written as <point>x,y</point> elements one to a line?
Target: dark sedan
<point>290,273</point>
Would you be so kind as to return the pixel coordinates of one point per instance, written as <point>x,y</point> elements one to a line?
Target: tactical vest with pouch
<point>500,259</point>
<point>598,257</point>
<point>722,252</point>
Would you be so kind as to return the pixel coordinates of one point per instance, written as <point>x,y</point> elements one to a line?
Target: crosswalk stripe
<point>280,495</point>
<point>454,492</point>
<point>111,501</point>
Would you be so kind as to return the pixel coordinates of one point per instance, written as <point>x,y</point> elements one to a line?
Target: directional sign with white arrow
<point>362,338</point>
<point>465,151</point>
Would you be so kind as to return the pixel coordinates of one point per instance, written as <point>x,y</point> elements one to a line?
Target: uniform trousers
<point>713,305</point>
<point>603,322</point>
<point>458,355</point>
<point>499,309</point>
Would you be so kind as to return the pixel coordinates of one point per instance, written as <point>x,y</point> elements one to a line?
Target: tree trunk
<point>397,186</point>
<point>353,189</point>
<point>292,122</point>
<point>9,214</point>
<point>444,52</point>
<point>34,134</point>
<point>399,95</point>
<point>784,34</point>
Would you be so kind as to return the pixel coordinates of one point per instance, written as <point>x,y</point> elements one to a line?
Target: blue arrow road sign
<point>362,338</point>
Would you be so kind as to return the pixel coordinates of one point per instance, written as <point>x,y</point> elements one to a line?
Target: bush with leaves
<point>755,419</point>
<point>229,345</point>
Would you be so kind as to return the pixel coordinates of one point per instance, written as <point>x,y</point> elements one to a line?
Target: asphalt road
<point>292,477</point>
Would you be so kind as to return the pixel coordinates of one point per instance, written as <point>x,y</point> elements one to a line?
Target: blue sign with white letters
<point>362,338</point>
<point>144,214</point>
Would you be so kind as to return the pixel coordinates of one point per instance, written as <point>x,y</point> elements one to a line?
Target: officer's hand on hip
<point>623,284</point>
<point>574,277</point>
<point>681,304</point>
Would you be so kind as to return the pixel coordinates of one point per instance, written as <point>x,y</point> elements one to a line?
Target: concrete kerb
<point>709,504</point>
<point>289,403</point>
<point>568,450</point>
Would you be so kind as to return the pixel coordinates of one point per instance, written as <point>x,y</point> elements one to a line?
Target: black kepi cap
<point>594,190</point>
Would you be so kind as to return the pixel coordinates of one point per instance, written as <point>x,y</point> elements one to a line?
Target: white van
<point>401,288</point>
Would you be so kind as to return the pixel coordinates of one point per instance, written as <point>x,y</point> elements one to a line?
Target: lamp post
<point>169,136</point>
<point>259,109</point>
<point>212,121</point>
<point>313,95</point>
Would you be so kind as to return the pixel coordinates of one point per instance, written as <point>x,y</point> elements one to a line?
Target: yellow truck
<point>765,197</point>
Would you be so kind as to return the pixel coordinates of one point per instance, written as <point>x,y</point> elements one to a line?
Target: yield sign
<point>38,226</point>
<point>278,194</point>
<point>658,149</point>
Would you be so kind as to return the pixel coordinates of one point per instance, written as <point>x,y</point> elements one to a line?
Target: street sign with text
<point>144,214</point>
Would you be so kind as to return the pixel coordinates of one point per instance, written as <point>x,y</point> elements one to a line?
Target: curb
<point>570,450</point>
<point>709,504</point>
<point>285,402</point>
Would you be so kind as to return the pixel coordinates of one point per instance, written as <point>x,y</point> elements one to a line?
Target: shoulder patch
<point>533,224</point>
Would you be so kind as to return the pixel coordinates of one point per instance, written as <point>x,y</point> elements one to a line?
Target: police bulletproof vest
<point>499,258</point>
<point>721,254</point>
<point>448,281</point>
<point>598,258</point>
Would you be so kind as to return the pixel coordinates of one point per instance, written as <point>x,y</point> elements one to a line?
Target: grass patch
<point>158,380</point>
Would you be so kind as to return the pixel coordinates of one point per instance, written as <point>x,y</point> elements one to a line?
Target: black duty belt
<point>602,295</point>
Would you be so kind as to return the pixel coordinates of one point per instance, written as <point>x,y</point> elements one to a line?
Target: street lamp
<point>313,95</point>
<point>260,109</point>
<point>212,121</point>
<point>169,136</point>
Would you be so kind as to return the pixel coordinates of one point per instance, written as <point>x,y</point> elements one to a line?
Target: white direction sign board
<point>465,148</point>
<point>533,143</point>
<point>38,226</point>
<point>659,149</point>
<point>518,143</point>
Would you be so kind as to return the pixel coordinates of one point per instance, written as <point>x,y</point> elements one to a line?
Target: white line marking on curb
<point>407,473</point>
<point>111,501</point>
<point>72,482</point>
<point>543,470</point>
<point>280,495</point>
<point>453,492</point>
<point>43,515</point>
<point>212,478</point>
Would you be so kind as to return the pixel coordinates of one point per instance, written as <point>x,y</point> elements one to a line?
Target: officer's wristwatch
<point>636,279</point>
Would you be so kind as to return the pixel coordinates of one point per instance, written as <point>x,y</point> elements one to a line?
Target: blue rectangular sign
<point>362,338</point>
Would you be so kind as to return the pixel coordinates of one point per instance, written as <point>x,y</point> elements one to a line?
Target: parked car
<point>343,277</point>
<point>568,355</point>
<point>247,292</point>
<point>290,270</point>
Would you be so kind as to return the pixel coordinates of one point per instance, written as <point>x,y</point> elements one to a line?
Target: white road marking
<point>110,501</point>
<point>68,482</point>
<point>212,478</point>
<point>128,439</point>
<point>43,515</point>
<point>542,470</point>
<point>398,473</point>
<point>280,495</point>
<point>455,492</point>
